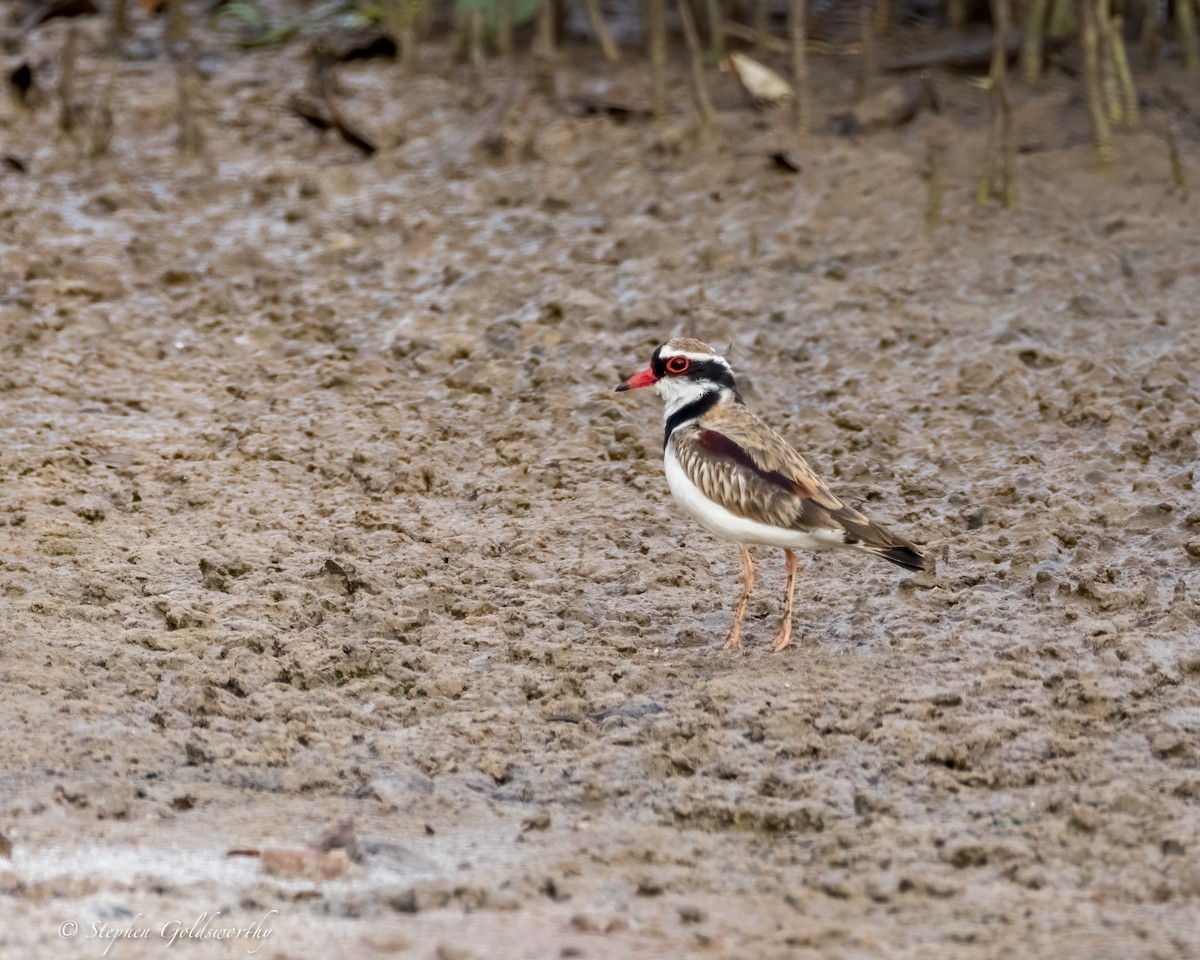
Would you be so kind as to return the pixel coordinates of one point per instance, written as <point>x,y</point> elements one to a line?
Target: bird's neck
<point>689,405</point>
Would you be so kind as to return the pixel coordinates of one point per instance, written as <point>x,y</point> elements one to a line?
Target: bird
<point>744,483</point>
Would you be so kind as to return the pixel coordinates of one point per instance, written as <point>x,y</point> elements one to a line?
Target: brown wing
<point>750,470</point>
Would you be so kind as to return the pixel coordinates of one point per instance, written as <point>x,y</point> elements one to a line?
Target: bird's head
<point>683,370</point>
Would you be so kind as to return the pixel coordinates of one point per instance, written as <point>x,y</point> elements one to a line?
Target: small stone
<point>582,923</point>
<point>978,518</point>
<point>965,855</point>
<point>691,914</point>
<point>90,510</point>
<point>496,767</point>
<point>539,821</point>
<point>1083,818</point>
<point>648,887</point>
<point>197,753</point>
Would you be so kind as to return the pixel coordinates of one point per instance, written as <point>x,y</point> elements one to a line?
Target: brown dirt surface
<point>317,505</point>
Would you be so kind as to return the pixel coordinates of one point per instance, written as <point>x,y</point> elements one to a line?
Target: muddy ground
<point>317,506</point>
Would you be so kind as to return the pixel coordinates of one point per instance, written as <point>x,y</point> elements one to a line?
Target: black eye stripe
<point>713,370</point>
<point>656,363</point>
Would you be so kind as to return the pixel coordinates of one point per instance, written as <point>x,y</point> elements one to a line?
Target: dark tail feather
<point>907,557</point>
<point>871,537</point>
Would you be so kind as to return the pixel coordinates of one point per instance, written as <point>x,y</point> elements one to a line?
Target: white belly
<point>729,526</point>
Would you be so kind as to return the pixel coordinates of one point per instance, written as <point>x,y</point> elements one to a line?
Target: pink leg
<point>784,637</point>
<point>734,640</point>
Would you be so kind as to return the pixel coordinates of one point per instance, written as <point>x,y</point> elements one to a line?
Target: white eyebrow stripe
<point>698,357</point>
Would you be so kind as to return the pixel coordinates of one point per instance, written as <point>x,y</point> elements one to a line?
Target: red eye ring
<point>678,365</point>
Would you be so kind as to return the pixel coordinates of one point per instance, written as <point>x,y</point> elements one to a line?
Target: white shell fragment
<point>762,83</point>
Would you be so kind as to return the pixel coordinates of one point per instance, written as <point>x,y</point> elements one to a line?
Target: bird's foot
<point>734,641</point>
<point>784,637</point>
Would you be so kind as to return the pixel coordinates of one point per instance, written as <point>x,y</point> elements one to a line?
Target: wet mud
<point>317,505</point>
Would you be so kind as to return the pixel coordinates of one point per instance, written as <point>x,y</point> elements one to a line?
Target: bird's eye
<point>678,365</point>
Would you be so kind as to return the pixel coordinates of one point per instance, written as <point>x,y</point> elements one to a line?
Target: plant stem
<point>1150,40</point>
<point>545,52</point>
<point>102,121</point>
<point>762,25</point>
<point>997,181</point>
<point>1108,68</point>
<point>416,19</point>
<point>933,184</point>
<point>883,15</point>
<point>176,22</point>
<point>504,28</point>
<point>190,138</point>
<point>1129,96</point>
<point>1062,18</point>
<point>400,19</point>
<point>866,59</point>
<point>763,42</point>
<point>716,29</point>
<point>656,35</point>
<point>475,48</point>
<point>798,28</point>
<point>1031,47</point>
<point>600,29</point>
<point>1187,33</point>
<point>1178,175</point>
<point>1101,131</point>
<point>120,22</point>
<point>699,87</point>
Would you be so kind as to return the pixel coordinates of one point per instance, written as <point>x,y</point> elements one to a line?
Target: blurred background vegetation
<point>883,61</point>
